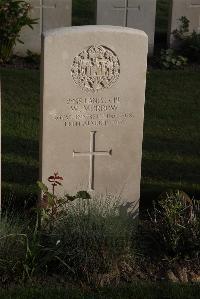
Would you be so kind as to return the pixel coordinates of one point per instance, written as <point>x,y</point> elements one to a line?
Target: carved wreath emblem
<point>95,68</point>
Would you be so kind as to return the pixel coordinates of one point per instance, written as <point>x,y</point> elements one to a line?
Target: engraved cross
<point>42,7</point>
<point>126,6</point>
<point>91,154</point>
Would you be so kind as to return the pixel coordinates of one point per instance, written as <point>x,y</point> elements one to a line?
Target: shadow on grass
<point>20,146</point>
<point>18,199</point>
<point>171,145</point>
<point>20,172</point>
<point>174,172</point>
<point>169,163</point>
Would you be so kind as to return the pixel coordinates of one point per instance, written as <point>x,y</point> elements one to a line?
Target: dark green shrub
<point>173,228</point>
<point>14,15</point>
<point>188,44</point>
<point>170,60</point>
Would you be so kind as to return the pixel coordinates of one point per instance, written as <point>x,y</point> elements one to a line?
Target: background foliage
<point>14,15</point>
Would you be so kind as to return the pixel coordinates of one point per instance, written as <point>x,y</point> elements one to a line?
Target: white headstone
<point>188,8</point>
<point>138,14</point>
<point>50,14</point>
<point>93,96</point>
<point>0,149</point>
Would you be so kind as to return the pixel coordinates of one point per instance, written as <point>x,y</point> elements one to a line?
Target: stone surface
<point>0,148</point>
<point>187,8</point>
<point>93,95</point>
<point>50,14</point>
<point>138,14</point>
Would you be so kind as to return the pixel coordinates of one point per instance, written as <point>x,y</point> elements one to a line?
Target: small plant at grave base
<point>93,242</point>
<point>173,228</point>
<point>170,60</point>
<point>88,239</point>
<point>14,15</point>
<point>51,205</point>
<point>188,44</point>
<point>55,181</point>
<point>38,255</point>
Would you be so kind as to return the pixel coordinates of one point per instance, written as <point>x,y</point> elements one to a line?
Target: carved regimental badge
<point>95,68</point>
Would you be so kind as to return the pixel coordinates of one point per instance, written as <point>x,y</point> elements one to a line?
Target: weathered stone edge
<point>93,28</point>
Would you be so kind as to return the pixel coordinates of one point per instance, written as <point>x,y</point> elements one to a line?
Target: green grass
<point>171,147</point>
<point>136,291</point>
<point>20,131</point>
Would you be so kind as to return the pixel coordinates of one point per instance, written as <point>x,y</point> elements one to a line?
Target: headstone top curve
<point>93,28</point>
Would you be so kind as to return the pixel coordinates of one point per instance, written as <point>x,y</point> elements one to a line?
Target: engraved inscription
<point>93,112</point>
<point>95,68</point>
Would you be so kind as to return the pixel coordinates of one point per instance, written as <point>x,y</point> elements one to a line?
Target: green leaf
<point>83,194</point>
<point>69,197</point>
<point>166,64</point>
<point>168,58</point>
<point>51,198</point>
<point>42,186</point>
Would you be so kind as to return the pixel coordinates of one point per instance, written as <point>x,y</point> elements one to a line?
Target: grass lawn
<point>20,128</point>
<point>132,291</point>
<point>171,147</point>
